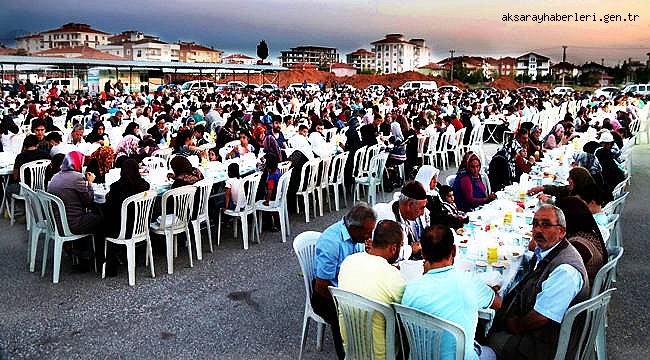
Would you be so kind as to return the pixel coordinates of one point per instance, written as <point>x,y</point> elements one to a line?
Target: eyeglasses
<point>544,224</point>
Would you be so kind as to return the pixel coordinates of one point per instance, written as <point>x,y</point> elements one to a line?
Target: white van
<point>415,85</point>
<point>637,89</point>
<point>562,90</point>
<point>198,85</point>
<point>73,84</point>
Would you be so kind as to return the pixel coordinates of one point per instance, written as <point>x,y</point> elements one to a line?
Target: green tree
<point>262,50</point>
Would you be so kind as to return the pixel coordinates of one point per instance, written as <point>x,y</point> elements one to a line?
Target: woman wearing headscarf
<point>97,135</point>
<point>100,162</point>
<point>132,129</point>
<point>555,138</point>
<point>469,189</point>
<point>129,146</point>
<point>583,233</point>
<point>427,176</point>
<point>184,173</point>
<point>534,142</point>
<point>612,173</point>
<point>76,191</point>
<point>578,178</point>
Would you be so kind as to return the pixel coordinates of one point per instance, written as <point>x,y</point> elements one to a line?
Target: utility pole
<point>564,61</point>
<point>452,63</point>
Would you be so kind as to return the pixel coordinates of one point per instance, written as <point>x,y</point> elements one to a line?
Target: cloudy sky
<point>471,27</point>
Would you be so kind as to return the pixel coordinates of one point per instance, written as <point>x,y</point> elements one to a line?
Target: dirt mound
<point>504,83</point>
<point>394,80</point>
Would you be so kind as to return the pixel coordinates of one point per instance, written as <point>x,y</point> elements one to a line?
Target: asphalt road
<point>235,303</point>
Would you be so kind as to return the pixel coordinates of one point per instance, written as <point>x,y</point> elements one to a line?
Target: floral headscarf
<point>128,146</point>
<point>105,156</point>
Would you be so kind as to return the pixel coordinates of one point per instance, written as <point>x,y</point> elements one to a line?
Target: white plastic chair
<point>430,151</point>
<point>35,181</point>
<point>442,149</point>
<point>227,148</point>
<point>248,188</point>
<point>56,220</point>
<point>618,189</point>
<point>141,205</point>
<point>603,282</point>
<point>304,245</point>
<point>458,148</point>
<point>279,205</point>
<point>336,179</point>
<point>358,313</point>
<point>593,312</point>
<point>163,153</point>
<point>450,180</point>
<point>373,178</point>
<point>154,162</point>
<point>424,333</point>
<point>308,175</point>
<point>176,222</point>
<point>203,188</point>
<point>36,226</point>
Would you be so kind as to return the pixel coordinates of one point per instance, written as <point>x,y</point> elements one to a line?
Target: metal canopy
<point>42,60</point>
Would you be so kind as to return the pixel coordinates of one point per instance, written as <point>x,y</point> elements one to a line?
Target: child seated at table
<point>273,175</point>
<point>233,187</point>
<point>449,203</point>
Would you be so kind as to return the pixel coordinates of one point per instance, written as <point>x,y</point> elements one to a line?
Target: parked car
<point>345,87</point>
<point>414,85</point>
<point>376,88</point>
<point>562,90</point>
<point>528,89</point>
<point>452,88</point>
<point>270,87</point>
<point>197,85</point>
<point>637,89</point>
<point>607,91</point>
<point>235,85</point>
<point>253,87</point>
<point>299,87</point>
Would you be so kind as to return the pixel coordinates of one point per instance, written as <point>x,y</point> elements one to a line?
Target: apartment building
<point>320,56</point>
<point>361,59</point>
<point>395,54</point>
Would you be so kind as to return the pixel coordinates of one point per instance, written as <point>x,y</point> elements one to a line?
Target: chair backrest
<point>337,167</point>
<point>32,174</point>
<point>141,203</point>
<point>284,166</point>
<point>163,153</point>
<point>203,189</point>
<point>371,151</point>
<point>618,189</point>
<point>603,279</point>
<point>476,137</point>
<point>460,136</point>
<point>612,219</point>
<point>358,161</point>
<point>450,180</point>
<point>424,333</point>
<point>421,141</point>
<point>358,312</point>
<point>182,204</point>
<point>377,165</point>
<point>615,206</point>
<point>594,312</point>
<point>54,213</point>
<point>304,245</point>
<point>249,188</point>
<point>432,143</point>
<point>154,162</point>
<point>443,140</point>
<point>283,186</point>
<point>323,175</point>
<point>228,148</point>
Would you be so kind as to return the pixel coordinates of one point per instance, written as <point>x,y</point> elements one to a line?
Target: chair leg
<point>285,216</point>
<point>345,196</point>
<point>150,257</point>
<point>320,334</point>
<point>329,202</point>
<point>244,231</point>
<point>306,201</point>
<point>58,250</point>
<point>283,226</point>
<point>257,232</point>
<point>46,246</point>
<point>104,263</point>
<point>130,261</point>
<point>219,229</point>
<point>196,226</point>
<point>189,244</point>
<point>207,225</point>
<point>12,214</point>
<point>35,234</point>
<point>169,245</point>
<point>305,330</point>
<point>336,198</point>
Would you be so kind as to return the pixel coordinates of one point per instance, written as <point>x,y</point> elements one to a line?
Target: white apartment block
<point>395,54</point>
<point>67,36</point>
<point>362,60</point>
<point>533,64</point>
<point>134,45</point>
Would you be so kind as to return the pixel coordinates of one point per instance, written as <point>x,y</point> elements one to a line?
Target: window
<point>387,70</point>
<point>641,88</point>
<point>65,82</point>
<point>139,53</point>
<point>387,63</point>
<point>86,37</point>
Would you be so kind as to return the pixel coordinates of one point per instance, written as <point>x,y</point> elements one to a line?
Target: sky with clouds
<point>471,27</point>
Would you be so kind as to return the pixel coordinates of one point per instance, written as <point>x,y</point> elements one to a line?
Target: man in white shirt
<point>319,146</point>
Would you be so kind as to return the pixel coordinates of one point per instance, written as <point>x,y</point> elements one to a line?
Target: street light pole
<point>452,63</point>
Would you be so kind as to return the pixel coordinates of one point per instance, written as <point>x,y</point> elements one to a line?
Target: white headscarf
<point>424,176</point>
<point>396,131</point>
